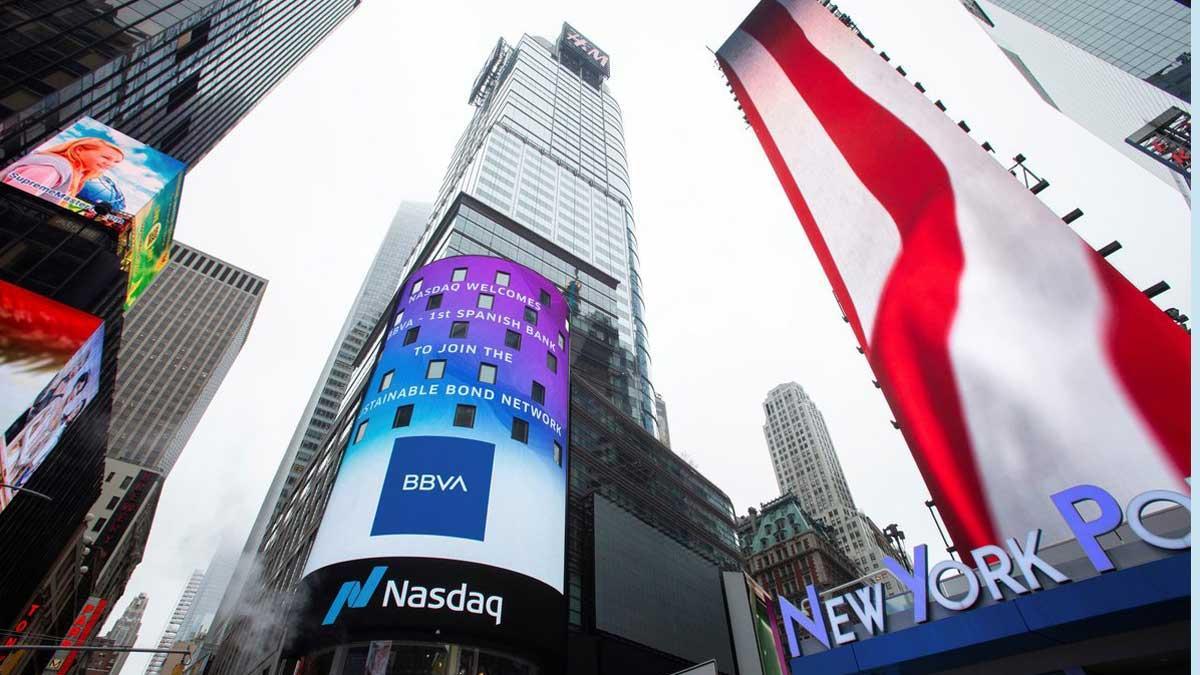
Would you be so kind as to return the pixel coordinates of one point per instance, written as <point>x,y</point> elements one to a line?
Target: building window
<point>192,40</point>
<point>520,430</point>
<point>512,339</point>
<point>531,315</point>
<point>181,92</point>
<point>485,301</point>
<point>436,369</point>
<point>126,481</point>
<point>398,319</point>
<point>557,453</point>
<point>487,373</point>
<point>434,301</point>
<point>458,330</point>
<point>544,297</point>
<point>112,503</point>
<point>464,415</point>
<point>562,341</point>
<point>539,393</point>
<point>387,380</point>
<point>411,335</point>
<point>417,285</point>
<point>109,478</point>
<point>99,524</point>
<point>502,278</point>
<point>460,274</point>
<point>403,416</point>
<point>552,362</point>
<point>362,431</point>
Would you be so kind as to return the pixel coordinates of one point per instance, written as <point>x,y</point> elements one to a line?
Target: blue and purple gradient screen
<point>459,448</point>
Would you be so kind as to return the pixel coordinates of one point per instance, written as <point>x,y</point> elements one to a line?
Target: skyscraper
<point>208,596</point>
<point>382,279</point>
<point>1112,66</point>
<point>180,340</point>
<point>1146,39</point>
<point>634,508</point>
<point>170,632</point>
<point>807,466</point>
<point>380,282</point>
<point>175,74</point>
<point>546,148</point>
<point>124,632</point>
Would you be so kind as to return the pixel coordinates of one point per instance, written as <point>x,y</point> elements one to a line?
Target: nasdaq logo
<point>436,485</point>
<point>354,594</point>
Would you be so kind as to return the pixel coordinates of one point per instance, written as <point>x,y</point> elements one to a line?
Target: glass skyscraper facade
<point>175,74</point>
<point>546,148</point>
<point>1112,66</point>
<point>1141,37</point>
<point>321,413</point>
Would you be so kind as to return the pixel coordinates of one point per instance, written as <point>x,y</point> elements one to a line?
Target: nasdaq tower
<point>545,148</point>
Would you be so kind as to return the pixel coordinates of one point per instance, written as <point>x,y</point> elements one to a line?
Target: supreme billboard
<point>101,174</point>
<point>448,510</point>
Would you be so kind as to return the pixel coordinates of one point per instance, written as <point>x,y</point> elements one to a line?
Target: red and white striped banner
<point>1017,361</point>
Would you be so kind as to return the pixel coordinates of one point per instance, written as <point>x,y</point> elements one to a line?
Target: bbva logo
<point>430,482</point>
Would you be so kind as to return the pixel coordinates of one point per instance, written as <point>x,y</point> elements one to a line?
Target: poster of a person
<point>54,409</point>
<point>93,169</point>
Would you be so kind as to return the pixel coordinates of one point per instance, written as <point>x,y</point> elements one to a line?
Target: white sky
<point>304,189</point>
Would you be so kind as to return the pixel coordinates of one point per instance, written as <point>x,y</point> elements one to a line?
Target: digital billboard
<point>50,366</point>
<point>448,511</point>
<point>150,239</point>
<point>100,173</point>
<point>754,626</point>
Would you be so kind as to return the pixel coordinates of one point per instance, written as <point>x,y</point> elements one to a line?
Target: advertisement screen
<point>770,651</point>
<point>50,366</point>
<point>98,172</point>
<point>150,239</point>
<point>448,511</point>
<point>94,170</point>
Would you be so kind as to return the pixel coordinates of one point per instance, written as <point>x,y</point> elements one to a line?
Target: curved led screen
<point>447,516</point>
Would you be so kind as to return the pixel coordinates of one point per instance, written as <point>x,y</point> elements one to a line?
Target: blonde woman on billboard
<point>65,168</point>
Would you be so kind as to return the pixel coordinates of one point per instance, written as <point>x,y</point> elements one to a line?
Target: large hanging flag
<point>1017,361</point>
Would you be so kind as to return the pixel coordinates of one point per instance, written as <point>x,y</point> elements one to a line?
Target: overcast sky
<point>303,190</point>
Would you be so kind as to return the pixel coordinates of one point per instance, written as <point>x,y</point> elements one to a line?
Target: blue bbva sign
<point>436,485</point>
<point>994,565</point>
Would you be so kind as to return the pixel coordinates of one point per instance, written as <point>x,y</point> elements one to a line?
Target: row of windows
<point>216,269</point>
<point>485,301</point>
<point>502,279</point>
<point>436,368</point>
<point>464,417</point>
<point>512,340</point>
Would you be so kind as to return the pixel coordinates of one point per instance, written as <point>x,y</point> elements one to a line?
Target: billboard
<point>1017,360</point>
<point>79,633</point>
<point>584,51</point>
<point>448,511</point>
<point>100,173</point>
<point>753,625</point>
<point>50,366</point>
